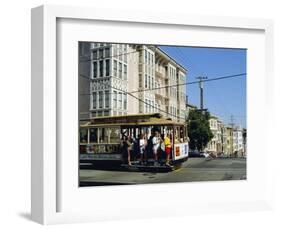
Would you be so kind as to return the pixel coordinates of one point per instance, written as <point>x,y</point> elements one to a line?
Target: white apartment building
<point>213,143</point>
<point>123,78</point>
<point>220,138</point>
<point>238,146</point>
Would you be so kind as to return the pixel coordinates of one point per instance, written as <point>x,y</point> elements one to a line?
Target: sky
<point>223,98</point>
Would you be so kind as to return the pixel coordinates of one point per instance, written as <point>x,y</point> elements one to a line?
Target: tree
<point>199,131</point>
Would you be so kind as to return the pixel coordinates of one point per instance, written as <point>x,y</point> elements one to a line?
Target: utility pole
<point>232,121</point>
<point>201,91</point>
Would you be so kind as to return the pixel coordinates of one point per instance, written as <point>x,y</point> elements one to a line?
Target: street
<point>195,169</point>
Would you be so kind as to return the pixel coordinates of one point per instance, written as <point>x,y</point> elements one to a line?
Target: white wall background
<point>15,113</point>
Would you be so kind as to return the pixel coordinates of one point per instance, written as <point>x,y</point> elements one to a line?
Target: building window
<point>114,50</point>
<point>114,99</point>
<point>119,100</point>
<point>101,54</point>
<point>149,86</point>
<point>101,68</point>
<point>124,101</point>
<point>120,70</point>
<point>95,69</point>
<point>107,52</point>
<point>125,53</point>
<point>120,52</point>
<point>125,72</point>
<point>94,100</point>
<point>107,67</point>
<point>106,99</point>
<point>145,55</point>
<point>95,55</point>
<point>115,68</point>
<point>100,99</point>
<point>145,80</point>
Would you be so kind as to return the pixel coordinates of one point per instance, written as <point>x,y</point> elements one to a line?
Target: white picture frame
<point>50,202</point>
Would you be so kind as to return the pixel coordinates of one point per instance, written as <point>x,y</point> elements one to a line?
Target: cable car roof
<point>130,120</point>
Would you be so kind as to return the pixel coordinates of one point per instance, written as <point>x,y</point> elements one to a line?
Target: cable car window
<point>181,134</point>
<point>102,138</point>
<point>93,135</point>
<point>114,134</point>
<point>83,135</point>
<point>176,135</point>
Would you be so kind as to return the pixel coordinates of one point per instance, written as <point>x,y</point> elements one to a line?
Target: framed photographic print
<point>149,115</point>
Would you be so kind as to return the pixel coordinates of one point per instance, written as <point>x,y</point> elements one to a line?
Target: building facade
<point>238,146</point>
<point>213,143</point>
<point>224,138</point>
<point>219,138</point>
<point>229,141</point>
<point>131,79</point>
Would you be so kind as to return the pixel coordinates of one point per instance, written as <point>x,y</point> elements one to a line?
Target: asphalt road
<point>195,169</point>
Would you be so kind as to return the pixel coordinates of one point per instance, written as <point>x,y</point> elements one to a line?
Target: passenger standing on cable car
<point>141,147</point>
<point>156,145</point>
<point>125,148</point>
<point>161,150</point>
<point>149,147</point>
<point>135,148</point>
<point>130,149</point>
<point>168,148</point>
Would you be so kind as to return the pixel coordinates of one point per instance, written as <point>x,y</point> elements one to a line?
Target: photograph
<point>153,113</point>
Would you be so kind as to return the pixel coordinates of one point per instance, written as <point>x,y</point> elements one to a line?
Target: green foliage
<point>199,131</point>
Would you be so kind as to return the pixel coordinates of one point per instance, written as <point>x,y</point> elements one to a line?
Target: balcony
<point>158,95</point>
<point>160,74</point>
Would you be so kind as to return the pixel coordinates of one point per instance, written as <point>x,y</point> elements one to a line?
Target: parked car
<point>204,154</point>
<point>195,153</point>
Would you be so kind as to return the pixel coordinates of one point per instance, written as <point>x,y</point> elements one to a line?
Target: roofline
<point>157,119</point>
<point>172,59</point>
<point>145,123</point>
<point>214,116</point>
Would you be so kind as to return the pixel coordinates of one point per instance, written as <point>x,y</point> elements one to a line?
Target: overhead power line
<point>187,83</point>
<point>192,82</point>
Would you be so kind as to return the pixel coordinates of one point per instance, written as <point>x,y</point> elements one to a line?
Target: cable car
<point>101,138</point>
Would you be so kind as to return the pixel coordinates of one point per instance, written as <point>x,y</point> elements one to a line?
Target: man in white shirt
<point>156,145</point>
